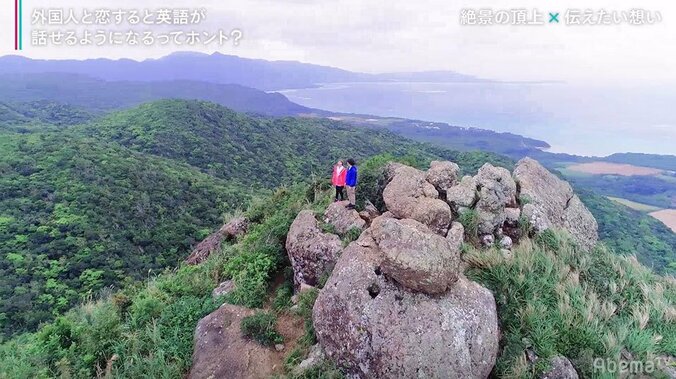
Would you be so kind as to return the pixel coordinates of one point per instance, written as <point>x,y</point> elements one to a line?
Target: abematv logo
<point>18,45</point>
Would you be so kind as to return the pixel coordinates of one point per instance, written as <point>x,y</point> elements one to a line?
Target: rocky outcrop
<point>312,253</point>
<point>463,196</point>
<point>443,175</point>
<point>550,202</point>
<point>375,327</point>
<point>222,352</point>
<point>343,219</point>
<point>414,256</point>
<point>410,195</point>
<point>397,303</point>
<point>560,368</point>
<point>456,235</point>
<point>497,190</point>
<point>236,227</point>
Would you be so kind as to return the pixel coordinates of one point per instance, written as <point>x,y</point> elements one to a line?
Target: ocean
<point>576,119</point>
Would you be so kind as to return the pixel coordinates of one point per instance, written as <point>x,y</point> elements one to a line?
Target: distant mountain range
<point>98,95</point>
<point>217,68</point>
<point>22,91</point>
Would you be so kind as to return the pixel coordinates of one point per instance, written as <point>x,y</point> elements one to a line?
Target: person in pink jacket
<point>338,180</point>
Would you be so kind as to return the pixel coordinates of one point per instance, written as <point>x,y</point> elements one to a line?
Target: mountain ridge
<point>220,68</point>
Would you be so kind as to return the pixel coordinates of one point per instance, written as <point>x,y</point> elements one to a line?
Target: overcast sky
<point>413,35</point>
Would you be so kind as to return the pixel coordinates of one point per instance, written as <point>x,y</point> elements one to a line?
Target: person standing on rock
<point>338,180</point>
<point>351,183</point>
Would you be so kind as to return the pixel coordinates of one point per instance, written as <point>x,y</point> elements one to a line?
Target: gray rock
<point>369,213</point>
<point>512,216</point>
<point>279,347</point>
<point>343,219</point>
<point>223,289</point>
<point>222,352</point>
<point>552,203</point>
<point>409,195</point>
<point>235,228</point>
<point>580,223</point>
<point>498,190</point>
<point>388,214</point>
<point>456,235</point>
<point>414,256</point>
<point>434,213</point>
<point>561,368</point>
<point>311,252</point>
<point>375,328</point>
<point>443,175</point>
<point>462,196</point>
<point>536,218</point>
<point>487,240</point>
<point>506,242</point>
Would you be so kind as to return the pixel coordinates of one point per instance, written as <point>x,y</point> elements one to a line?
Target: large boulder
<point>374,327</point>
<point>410,195</point>
<point>462,196</point>
<point>414,256</point>
<point>550,202</point>
<point>312,253</point>
<point>222,352</point>
<point>497,191</point>
<point>343,219</point>
<point>443,175</point>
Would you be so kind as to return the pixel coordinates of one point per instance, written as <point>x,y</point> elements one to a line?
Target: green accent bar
<point>20,27</point>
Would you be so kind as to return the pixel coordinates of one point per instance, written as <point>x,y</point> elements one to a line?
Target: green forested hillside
<point>97,96</point>
<point>258,151</point>
<point>39,115</point>
<point>77,215</point>
<point>628,231</point>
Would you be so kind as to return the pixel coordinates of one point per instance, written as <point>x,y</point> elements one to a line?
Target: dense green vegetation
<point>149,326</point>
<point>259,151</point>
<point>42,111</point>
<point>631,232</point>
<point>664,162</point>
<point>261,327</point>
<point>40,115</point>
<point>659,191</point>
<point>554,299</point>
<point>77,215</point>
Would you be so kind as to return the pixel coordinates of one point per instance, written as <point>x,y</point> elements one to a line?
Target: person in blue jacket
<point>351,183</point>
